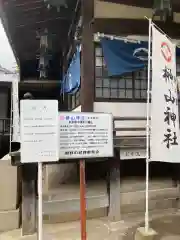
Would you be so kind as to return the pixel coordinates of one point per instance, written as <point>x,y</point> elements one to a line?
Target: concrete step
<point>133,184</point>
<point>74,216</point>
<point>59,209</point>
<point>158,199</point>
<point>9,220</point>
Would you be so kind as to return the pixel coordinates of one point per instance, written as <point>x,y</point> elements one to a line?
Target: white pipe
<point>98,35</point>
<point>148,130</point>
<point>40,200</point>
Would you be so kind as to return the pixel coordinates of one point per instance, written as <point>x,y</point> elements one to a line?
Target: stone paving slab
<point>167,225</point>
<point>95,230</point>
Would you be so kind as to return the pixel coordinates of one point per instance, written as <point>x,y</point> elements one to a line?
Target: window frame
<point>132,76</point>
<point>74,100</point>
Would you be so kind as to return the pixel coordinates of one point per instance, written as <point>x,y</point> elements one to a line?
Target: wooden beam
<point>43,23</point>
<point>20,25</point>
<point>124,27</point>
<point>142,3</point>
<point>29,15</point>
<point>137,3</point>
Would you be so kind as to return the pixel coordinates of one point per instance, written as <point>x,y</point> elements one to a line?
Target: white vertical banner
<point>165,138</point>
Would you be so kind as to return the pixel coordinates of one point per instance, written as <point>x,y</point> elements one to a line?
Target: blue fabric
<point>123,57</point>
<point>71,80</point>
<point>177,52</point>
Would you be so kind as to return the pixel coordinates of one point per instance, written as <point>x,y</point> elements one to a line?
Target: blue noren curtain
<point>71,80</point>
<point>123,57</point>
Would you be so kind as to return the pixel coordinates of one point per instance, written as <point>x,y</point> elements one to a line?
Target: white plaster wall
<point>123,109</point>
<point>119,108</point>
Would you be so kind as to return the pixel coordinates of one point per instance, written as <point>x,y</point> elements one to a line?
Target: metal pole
<point>148,131</point>
<point>83,200</point>
<point>40,200</point>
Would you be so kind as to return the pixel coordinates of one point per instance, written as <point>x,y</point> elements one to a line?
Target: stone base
<point>141,234</point>
<point>9,220</point>
<point>8,186</point>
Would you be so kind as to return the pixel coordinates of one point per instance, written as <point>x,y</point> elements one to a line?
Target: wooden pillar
<point>87,56</point>
<point>29,176</point>
<point>29,193</point>
<point>114,189</point>
<point>114,213</point>
<point>87,88</point>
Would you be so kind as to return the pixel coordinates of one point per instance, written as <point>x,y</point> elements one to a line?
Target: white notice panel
<point>164,112</point>
<point>128,154</point>
<point>39,131</point>
<point>86,135</point>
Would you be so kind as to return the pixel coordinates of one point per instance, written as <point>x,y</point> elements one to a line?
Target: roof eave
<point>5,26</point>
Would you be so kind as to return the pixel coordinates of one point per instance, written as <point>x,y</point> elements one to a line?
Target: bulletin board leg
<point>83,200</point>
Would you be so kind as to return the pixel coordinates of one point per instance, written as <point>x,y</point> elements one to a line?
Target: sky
<point>7,59</point>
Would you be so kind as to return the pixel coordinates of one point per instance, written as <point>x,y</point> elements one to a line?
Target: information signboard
<point>86,135</point>
<point>129,154</point>
<point>39,131</point>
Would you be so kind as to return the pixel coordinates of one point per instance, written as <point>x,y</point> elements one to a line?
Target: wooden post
<point>87,88</point>
<point>114,190</point>
<point>29,190</point>
<point>29,193</point>
<point>114,213</point>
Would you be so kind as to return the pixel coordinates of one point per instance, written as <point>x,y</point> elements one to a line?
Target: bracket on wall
<point>44,53</point>
<point>163,8</point>
<point>58,4</point>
